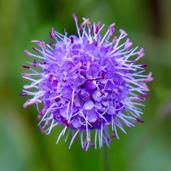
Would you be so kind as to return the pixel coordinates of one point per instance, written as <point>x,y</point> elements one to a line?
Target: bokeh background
<point>147,147</point>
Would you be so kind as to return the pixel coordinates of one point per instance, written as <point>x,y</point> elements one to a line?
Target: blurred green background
<point>147,147</point>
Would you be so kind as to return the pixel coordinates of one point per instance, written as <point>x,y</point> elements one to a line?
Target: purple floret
<point>89,83</point>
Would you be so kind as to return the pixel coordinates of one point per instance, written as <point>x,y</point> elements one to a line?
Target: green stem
<point>105,159</point>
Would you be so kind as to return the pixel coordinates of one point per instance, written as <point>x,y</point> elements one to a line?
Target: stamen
<point>73,138</point>
<point>26,66</point>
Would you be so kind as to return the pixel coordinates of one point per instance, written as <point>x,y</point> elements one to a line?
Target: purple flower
<point>89,83</point>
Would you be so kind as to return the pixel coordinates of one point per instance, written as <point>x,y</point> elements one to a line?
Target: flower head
<point>89,83</point>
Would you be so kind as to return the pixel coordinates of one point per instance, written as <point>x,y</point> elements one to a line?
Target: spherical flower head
<point>89,83</point>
